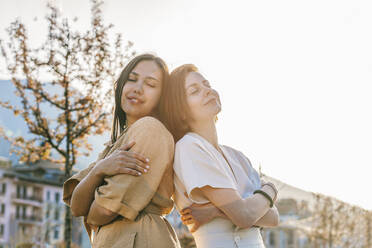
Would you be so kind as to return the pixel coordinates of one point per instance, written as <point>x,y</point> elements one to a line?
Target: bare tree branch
<point>72,60</point>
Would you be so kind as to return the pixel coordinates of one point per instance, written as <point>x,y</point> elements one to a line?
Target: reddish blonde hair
<point>174,108</point>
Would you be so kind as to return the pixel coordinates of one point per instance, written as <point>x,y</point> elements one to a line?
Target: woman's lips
<point>134,100</point>
<point>210,100</point>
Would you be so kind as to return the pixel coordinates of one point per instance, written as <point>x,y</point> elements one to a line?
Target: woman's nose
<point>207,91</point>
<point>138,88</point>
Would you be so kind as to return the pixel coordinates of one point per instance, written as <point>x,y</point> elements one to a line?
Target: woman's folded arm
<point>99,216</point>
<point>83,194</point>
<point>270,219</point>
<point>244,213</point>
<point>127,195</point>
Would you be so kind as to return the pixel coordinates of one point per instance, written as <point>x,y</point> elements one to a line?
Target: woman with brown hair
<point>217,191</point>
<point>125,193</point>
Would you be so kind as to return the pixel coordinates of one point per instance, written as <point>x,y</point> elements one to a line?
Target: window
<point>24,191</point>
<point>57,197</point>
<point>272,238</point>
<point>1,230</point>
<point>47,212</point>
<point>35,192</point>
<point>56,233</point>
<point>56,214</point>
<point>21,191</point>
<point>24,212</point>
<point>48,195</point>
<point>18,211</point>
<point>18,191</point>
<point>290,237</point>
<point>34,212</point>
<point>2,208</point>
<point>3,188</point>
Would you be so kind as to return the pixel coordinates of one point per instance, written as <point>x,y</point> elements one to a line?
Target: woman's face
<point>141,93</point>
<point>203,101</point>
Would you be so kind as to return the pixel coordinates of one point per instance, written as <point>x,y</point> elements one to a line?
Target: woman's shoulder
<point>231,149</point>
<point>188,140</point>
<point>148,129</point>
<point>149,126</point>
<point>237,153</point>
<point>149,122</point>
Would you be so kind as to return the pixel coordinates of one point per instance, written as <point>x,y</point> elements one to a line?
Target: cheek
<point>126,88</point>
<point>194,101</point>
<point>123,93</point>
<point>153,96</point>
<point>195,105</point>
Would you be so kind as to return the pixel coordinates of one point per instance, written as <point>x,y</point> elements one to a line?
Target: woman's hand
<point>200,214</point>
<point>122,161</point>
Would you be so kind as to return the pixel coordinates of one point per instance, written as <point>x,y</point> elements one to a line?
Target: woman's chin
<point>136,111</point>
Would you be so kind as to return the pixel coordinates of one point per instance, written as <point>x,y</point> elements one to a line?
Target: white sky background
<point>294,76</point>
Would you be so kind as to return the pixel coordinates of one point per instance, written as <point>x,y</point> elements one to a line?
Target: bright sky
<point>294,76</point>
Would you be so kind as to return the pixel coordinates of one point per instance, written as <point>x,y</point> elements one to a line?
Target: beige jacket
<point>139,201</point>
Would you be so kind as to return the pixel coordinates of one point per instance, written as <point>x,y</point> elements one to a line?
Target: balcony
<point>27,200</point>
<point>30,219</point>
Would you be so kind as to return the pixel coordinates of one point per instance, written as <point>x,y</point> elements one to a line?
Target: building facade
<point>31,206</point>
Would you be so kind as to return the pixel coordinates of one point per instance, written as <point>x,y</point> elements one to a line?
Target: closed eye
<point>151,82</point>
<point>194,90</point>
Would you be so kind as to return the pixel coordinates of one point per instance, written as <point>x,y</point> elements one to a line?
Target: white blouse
<point>197,163</point>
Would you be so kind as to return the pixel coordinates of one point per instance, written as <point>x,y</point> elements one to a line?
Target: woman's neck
<point>208,131</point>
<point>133,119</point>
<point>130,120</point>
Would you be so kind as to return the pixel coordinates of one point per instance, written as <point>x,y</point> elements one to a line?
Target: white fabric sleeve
<point>252,172</point>
<point>196,167</point>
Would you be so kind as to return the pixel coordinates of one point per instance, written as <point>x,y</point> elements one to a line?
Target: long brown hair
<point>175,110</point>
<point>120,117</point>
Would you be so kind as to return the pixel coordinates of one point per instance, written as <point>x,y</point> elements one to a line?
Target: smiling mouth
<point>134,100</point>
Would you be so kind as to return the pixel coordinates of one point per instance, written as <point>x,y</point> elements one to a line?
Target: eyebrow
<point>195,84</point>
<point>153,78</point>
<point>136,74</point>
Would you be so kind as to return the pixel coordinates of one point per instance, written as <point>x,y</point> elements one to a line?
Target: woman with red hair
<point>217,191</point>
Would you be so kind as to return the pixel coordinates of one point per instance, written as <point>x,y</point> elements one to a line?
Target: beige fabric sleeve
<point>125,194</point>
<point>70,184</point>
<point>196,168</point>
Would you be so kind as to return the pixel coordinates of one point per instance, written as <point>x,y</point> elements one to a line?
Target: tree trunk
<point>68,217</point>
<point>68,164</point>
<point>68,223</point>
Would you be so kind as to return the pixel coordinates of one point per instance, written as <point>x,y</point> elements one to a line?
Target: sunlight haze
<point>294,77</point>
